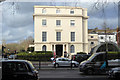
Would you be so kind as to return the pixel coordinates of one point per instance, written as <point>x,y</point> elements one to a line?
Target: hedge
<point>35,56</point>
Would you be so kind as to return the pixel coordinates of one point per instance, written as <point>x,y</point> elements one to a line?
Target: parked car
<point>64,62</point>
<point>12,56</point>
<point>18,70</point>
<point>97,63</point>
<point>114,73</point>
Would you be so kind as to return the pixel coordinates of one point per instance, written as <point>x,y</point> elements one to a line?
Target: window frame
<point>44,22</point>
<point>72,35</point>
<point>57,11</point>
<point>58,22</point>
<point>72,22</point>
<point>58,36</point>
<point>72,49</point>
<point>72,11</point>
<point>43,10</point>
<point>44,48</point>
<point>44,36</point>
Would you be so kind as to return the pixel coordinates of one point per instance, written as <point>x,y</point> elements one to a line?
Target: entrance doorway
<point>59,50</point>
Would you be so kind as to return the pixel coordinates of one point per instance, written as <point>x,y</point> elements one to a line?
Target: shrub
<point>35,56</point>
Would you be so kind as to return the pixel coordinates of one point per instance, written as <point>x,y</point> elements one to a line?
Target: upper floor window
<point>72,36</point>
<point>43,10</point>
<point>58,22</point>
<point>92,43</point>
<point>72,49</point>
<point>44,23</point>
<point>101,37</point>
<point>72,22</point>
<point>58,11</point>
<point>44,36</point>
<point>71,11</point>
<point>92,36</point>
<point>58,36</point>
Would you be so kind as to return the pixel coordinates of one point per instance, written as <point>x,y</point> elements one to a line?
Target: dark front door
<point>59,50</point>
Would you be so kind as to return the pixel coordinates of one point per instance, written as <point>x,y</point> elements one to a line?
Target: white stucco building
<point>109,37</point>
<point>92,41</point>
<point>60,29</point>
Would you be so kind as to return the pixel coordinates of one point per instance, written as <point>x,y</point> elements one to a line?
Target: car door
<point>9,70</point>
<point>100,63</point>
<point>67,62</point>
<point>22,70</point>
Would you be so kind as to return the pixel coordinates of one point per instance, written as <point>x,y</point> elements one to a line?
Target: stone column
<point>85,31</point>
<point>85,36</point>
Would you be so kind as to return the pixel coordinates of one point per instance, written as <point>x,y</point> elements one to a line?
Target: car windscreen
<point>91,57</point>
<point>31,65</point>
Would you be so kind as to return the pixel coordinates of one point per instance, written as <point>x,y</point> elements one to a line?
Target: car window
<point>9,67</point>
<point>21,67</point>
<point>100,57</point>
<point>59,59</point>
<point>63,59</point>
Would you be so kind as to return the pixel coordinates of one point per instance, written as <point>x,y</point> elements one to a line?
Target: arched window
<point>44,48</point>
<point>72,49</point>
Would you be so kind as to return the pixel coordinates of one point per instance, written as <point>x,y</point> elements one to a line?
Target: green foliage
<point>35,56</point>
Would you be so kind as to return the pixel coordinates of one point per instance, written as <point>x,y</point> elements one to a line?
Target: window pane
<point>72,49</point>
<point>58,36</point>
<point>44,22</point>
<point>72,22</point>
<point>9,67</point>
<point>44,34</point>
<point>44,48</point>
<point>92,42</point>
<point>72,12</point>
<point>57,11</point>
<point>21,67</point>
<point>43,10</point>
<point>72,36</point>
<point>58,22</point>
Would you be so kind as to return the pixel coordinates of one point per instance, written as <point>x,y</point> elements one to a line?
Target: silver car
<point>64,62</point>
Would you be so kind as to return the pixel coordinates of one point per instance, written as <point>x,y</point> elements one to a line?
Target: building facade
<point>92,41</point>
<point>60,29</point>
<point>108,37</point>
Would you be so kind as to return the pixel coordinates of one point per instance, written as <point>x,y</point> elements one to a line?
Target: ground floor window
<point>44,48</point>
<point>72,49</point>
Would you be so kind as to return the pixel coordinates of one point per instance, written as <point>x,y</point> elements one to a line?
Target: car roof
<point>13,61</point>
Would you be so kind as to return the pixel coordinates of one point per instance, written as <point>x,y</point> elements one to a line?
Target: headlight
<point>115,71</point>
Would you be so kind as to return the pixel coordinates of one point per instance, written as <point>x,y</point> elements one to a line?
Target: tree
<point>25,43</point>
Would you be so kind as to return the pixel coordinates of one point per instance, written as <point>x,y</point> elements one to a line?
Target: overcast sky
<point>17,19</point>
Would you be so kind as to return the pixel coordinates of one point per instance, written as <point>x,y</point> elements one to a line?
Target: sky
<point>17,17</point>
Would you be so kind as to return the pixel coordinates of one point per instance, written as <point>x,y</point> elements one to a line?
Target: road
<point>68,74</point>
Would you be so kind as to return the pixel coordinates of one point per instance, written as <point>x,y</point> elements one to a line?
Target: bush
<point>35,56</point>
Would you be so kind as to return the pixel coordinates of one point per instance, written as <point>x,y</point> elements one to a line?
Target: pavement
<point>68,74</point>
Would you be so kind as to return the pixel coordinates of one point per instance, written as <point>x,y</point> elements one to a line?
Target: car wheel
<point>73,65</point>
<point>56,65</point>
<point>89,71</point>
